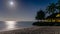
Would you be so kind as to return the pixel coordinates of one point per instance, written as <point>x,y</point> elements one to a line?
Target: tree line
<point>50,9</point>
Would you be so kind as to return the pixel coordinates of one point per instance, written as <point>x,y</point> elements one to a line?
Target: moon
<point>11,3</point>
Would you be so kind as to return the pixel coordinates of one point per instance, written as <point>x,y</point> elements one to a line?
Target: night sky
<point>22,10</point>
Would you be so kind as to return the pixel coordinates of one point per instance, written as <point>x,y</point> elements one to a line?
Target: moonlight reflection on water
<point>10,24</point>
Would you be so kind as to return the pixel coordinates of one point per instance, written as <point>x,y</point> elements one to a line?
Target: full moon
<point>11,3</point>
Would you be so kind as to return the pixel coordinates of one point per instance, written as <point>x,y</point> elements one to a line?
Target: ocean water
<point>9,25</point>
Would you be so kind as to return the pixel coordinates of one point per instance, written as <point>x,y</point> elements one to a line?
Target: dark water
<point>13,25</point>
<point>24,24</point>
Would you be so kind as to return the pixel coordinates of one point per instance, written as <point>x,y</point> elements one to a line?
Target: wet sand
<point>35,30</point>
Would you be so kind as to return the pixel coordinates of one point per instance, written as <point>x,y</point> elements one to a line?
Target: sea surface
<point>10,25</point>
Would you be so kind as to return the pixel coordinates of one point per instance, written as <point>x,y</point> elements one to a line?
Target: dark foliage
<point>46,24</point>
<point>50,9</point>
<point>40,15</point>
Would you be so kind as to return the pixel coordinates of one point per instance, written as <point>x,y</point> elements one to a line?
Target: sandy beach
<point>35,30</point>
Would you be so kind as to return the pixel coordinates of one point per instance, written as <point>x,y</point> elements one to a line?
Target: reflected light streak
<point>10,24</point>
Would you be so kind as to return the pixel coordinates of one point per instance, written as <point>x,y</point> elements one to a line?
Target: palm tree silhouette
<point>51,8</point>
<point>58,5</point>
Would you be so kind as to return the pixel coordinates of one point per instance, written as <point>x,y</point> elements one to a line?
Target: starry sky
<point>22,10</point>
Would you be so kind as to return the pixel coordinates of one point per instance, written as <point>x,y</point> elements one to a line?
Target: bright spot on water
<point>10,24</point>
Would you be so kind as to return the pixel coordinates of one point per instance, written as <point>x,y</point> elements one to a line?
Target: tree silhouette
<point>40,15</point>
<point>58,5</point>
<point>51,8</point>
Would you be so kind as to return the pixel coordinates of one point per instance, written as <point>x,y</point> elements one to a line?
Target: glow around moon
<point>11,3</point>
<point>11,6</point>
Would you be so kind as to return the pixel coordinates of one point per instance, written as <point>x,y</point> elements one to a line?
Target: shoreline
<point>35,30</point>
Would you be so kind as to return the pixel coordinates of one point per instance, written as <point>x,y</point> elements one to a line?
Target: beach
<point>35,30</point>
